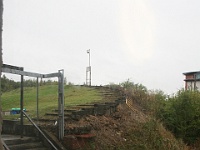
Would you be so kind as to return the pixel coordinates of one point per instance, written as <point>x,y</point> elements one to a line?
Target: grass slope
<point>48,98</point>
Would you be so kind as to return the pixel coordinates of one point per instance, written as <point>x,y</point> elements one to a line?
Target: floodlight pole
<point>89,57</point>
<point>88,70</point>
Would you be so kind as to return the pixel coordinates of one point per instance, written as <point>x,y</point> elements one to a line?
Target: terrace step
<point>89,105</point>
<point>78,111</point>
<point>65,110</point>
<point>52,119</point>
<point>38,149</point>
<point>56,114</point>
<point>24,146</point>
<point>78,130</point>
<point>15,142</point>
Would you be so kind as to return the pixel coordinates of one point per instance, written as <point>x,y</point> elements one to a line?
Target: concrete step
<point>26,146</point>
<point>66,110</point>
<point>15,139</point>
<point>38,149</point>
<point>15,142</point>
<point>78,130</point>
<point>56,114</point>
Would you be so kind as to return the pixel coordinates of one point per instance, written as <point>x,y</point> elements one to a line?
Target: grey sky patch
<point>149,41</point>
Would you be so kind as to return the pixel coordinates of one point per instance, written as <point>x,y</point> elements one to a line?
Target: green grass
<point>48,98</point>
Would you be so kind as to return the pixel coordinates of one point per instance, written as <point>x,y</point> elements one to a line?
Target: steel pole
<point>37,101</point>
<point>89,57</point>
<point>61,103</point>
<point>89,69</point>
<point>22,105</point>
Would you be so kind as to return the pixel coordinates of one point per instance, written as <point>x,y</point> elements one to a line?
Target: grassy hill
<point>48,98</point>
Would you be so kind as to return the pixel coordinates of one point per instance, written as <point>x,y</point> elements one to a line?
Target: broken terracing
<point>108,105</point>
<point>77,135</point>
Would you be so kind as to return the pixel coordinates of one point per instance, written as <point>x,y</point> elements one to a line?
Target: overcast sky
<point>151,42</point>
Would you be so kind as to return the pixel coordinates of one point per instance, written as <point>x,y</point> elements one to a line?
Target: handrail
<point>39,130</point>
<point>128,103</point>
<point>4,145</point>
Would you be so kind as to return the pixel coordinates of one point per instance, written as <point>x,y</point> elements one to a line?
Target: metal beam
<point>51,75</point>
<point>23,73</point>
<point>19,71</point>
<point>12,67</point>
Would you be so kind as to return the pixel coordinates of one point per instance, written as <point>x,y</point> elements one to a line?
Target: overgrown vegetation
<point>150,101</point>
<point>181,115</point>
<point>143,129</point>
<point>151,135</point>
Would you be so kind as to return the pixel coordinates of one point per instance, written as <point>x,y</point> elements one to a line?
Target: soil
<point>110,131</point>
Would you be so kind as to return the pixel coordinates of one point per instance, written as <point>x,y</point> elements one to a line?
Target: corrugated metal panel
<point>198,76</point>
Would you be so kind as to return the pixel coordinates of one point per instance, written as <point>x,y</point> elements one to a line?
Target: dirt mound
<point>127,129</point>
<point>110,131</point>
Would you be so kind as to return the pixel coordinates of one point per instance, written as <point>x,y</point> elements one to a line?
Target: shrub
<point>181,115</point>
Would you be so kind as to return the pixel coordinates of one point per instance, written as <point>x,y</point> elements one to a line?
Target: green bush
<point>150,101</point>
<point>181,115</point>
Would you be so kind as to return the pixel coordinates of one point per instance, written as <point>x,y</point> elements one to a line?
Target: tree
<point>181,115</point>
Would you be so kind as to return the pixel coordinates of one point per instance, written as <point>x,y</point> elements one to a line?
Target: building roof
<point>193,72</point>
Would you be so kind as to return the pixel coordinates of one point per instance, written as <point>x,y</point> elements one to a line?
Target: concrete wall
<point>13,127</point>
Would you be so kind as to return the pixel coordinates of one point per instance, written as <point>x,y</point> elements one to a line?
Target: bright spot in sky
<point>137,26</point>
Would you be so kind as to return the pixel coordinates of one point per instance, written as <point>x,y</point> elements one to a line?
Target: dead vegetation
<point>128,129</point>
<point>132,127</point>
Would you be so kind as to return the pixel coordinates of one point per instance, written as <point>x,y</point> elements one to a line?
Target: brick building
<point>192,80</point>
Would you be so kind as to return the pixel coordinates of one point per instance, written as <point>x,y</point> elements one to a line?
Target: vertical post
<point>1,62</point>
<point>89,70</point>
<point>90,76</point>
<point>86,77</point>
<point>37,100</point>
<point>61,105</point>
<point>195,82</point>
<point>22,105</point>
<point>89,57</point>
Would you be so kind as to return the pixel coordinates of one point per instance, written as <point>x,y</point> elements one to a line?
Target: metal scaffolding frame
<point>60,74</point>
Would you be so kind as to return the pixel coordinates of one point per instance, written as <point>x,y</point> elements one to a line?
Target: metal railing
<point>129,104</point>
<point>39,130</point>
<point>4,145</point>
